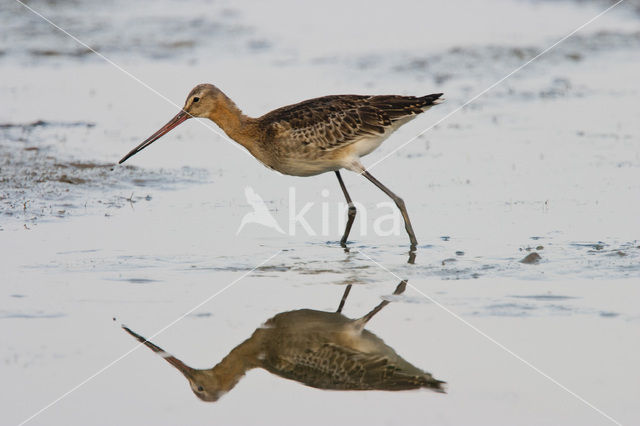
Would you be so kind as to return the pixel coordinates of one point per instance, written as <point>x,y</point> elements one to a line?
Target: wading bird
<point>325,350</point>
<point>311,137</point>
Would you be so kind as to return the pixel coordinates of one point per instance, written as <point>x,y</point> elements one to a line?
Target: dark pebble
<point>531,258</point>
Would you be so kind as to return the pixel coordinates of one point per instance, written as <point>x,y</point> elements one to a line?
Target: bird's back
<point>326,350</point>
<point>318,135</point>
<point>384,108</point>
<point>329,122</point>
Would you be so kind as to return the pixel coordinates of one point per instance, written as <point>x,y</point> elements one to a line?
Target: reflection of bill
<point>260,214</point>
<point>324,350</point>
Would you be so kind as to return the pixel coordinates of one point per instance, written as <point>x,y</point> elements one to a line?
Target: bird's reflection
<point>324,350</point>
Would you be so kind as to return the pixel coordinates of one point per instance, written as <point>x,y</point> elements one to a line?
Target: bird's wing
<point>332,366</point>
<point>333,122</point>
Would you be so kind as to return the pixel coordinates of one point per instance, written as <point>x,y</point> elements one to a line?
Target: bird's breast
<point>304,167</point>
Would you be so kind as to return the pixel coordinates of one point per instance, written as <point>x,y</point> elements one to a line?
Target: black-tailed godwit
<point>311,137</point>
<point>320,349</point>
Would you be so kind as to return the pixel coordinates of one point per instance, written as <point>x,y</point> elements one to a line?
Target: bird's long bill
<point>184,369</point>
<point>179,118</point>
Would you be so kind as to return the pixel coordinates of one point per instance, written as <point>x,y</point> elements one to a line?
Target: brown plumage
<point>325,350</point>
<point>311,137</point>
<point>333,122</point>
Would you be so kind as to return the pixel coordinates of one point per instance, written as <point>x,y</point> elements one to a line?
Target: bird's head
<point>203,100</point>
<point>205,385</point>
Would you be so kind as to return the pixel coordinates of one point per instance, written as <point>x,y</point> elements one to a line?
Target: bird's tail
<point>429,382</point>
<point>433,99</point>
<point>404,381</point>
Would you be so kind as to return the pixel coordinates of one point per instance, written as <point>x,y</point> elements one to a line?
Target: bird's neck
<point>233,367</point>
<point>235,124</point>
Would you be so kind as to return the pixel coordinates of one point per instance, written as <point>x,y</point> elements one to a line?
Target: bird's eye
<point>200,388</point>
<point>196,99</point>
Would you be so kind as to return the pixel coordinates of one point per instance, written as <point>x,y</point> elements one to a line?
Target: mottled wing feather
<point>400,107</point>
<point>335,121</point>
<point>335,367</point>
<point>328,122</point>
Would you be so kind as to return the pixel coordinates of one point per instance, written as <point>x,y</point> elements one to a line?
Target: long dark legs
<point>399,290</point>
<point>352,209</point>
<point>344,298</point>
<point>399,203</point>
<point>351,214</point>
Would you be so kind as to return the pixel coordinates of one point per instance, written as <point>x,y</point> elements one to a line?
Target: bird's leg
<point>352,211</point>
<point>344,298</point>
<point>400,203</point>
<point>399,289</point>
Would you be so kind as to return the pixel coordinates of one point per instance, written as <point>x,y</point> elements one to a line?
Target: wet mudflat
<point>547,163</point>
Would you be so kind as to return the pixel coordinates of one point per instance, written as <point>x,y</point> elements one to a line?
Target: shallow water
<point>548,162</point>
